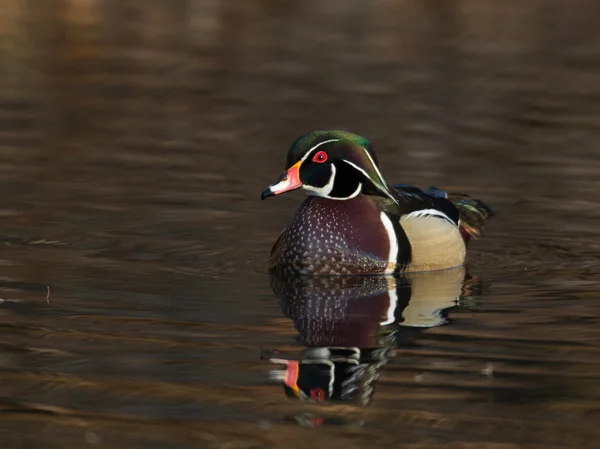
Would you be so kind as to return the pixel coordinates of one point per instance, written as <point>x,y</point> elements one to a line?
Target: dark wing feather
<point>414,198</point>
<point>471,212</point>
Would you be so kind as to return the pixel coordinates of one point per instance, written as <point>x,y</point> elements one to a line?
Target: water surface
<point>135,139</point>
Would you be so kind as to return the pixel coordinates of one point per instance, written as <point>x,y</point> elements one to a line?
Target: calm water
<point>135,139</point>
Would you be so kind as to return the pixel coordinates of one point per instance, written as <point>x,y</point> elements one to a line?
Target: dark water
<point>135,139</point>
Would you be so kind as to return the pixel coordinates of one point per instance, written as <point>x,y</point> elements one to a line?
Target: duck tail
<point>473,213</point>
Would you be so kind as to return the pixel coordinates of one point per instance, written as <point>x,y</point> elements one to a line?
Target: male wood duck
<point>354,222</point>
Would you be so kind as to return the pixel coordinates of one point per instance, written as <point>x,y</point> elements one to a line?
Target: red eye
<point>320,157</point>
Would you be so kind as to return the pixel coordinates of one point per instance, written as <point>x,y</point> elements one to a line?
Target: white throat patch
<point>325,191</point>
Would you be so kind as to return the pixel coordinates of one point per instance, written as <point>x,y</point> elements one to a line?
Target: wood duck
<point>354,222</point>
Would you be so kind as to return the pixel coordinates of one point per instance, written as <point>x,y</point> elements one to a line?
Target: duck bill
<point>290,180</point>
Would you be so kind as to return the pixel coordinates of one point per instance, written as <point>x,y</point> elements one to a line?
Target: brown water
<point>135,139</point>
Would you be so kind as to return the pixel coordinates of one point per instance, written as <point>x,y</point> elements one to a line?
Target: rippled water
<point>135,139</point>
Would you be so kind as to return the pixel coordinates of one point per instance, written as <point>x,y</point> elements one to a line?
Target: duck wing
<point>469,214</point>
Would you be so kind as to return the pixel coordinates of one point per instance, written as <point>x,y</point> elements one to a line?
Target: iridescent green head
<point>332,164</point>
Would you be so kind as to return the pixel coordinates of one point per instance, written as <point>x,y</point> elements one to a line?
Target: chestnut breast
<point>331,237</point>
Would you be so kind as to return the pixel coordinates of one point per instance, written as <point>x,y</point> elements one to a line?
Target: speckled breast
<point>331,237</point>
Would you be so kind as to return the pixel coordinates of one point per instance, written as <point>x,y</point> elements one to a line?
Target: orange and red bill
<point>289,180</point>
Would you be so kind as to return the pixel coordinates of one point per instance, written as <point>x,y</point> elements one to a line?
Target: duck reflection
<point>350,326</point>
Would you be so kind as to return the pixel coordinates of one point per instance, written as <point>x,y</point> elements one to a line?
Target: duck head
<point>337,165</point>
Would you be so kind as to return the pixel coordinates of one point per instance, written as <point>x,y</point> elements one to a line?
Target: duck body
<point>330,237</point>
<point>354,223</point>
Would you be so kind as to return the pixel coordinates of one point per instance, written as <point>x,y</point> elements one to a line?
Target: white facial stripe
<point>285,185</point>
<point>356,167</point>
<point>326,189</point>
<point>393,241</point>
<point>355,193</point>
<point>317,146</point>
<point>367,175</point>
<point>423,213</point>
<point>321,191</point>
<point>375,166</point>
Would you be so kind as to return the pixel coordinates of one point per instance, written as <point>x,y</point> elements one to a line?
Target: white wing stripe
<point>428,213</point>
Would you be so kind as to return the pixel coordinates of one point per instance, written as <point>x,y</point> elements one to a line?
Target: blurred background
<point>136,137</point>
